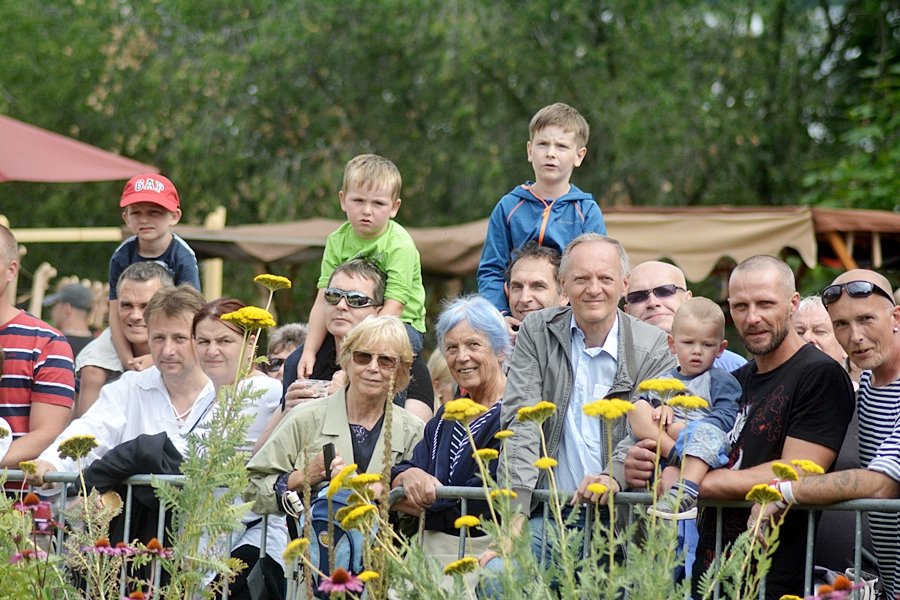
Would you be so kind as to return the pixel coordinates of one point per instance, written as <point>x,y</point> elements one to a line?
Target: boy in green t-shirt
<point>370,196</point>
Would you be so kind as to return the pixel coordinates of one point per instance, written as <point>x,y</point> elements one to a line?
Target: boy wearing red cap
<point>150,208</point>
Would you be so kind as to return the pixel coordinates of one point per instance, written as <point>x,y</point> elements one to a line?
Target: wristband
<point>787,492</point>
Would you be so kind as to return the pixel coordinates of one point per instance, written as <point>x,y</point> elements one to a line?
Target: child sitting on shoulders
<point>370,196</point>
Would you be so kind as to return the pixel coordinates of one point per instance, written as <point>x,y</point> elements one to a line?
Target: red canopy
<point>29,153</point>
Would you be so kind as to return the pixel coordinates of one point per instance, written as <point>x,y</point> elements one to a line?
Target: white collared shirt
<point>581,449</point>
<point>137,403</point>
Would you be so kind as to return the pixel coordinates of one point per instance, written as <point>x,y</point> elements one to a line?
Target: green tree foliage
<point>258,104</point>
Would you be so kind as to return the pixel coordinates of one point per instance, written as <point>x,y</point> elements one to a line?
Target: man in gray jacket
<point>572,356</point>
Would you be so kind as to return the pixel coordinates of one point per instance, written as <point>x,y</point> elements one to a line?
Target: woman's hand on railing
<point>420,488</point>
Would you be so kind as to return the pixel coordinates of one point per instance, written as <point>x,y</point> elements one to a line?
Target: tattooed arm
<point>845,485</point>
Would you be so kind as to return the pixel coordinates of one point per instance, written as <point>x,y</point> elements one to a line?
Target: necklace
<point>181,416</point>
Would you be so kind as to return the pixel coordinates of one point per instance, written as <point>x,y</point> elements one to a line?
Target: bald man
<point>867,325</point>
<point>655,291</point>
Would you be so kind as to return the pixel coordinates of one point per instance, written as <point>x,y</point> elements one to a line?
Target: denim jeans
<point>542,548</point>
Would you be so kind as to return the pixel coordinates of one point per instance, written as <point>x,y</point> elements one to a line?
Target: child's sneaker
<point>673,508</point>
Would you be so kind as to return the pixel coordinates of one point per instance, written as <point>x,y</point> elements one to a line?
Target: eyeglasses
<point>274,365</point>
<point>855,289</point>
<point>385,361</point>
<point>354,299</point>
<point>663,291</point>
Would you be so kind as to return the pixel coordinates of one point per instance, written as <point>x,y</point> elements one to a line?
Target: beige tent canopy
<point>694,238</point>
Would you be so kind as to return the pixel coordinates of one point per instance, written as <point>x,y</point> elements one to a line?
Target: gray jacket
<point>541,369</point>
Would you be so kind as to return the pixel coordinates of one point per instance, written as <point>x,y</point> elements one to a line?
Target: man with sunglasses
<point>355,291</point>
<point>867,324</point>
<point>655,291</point>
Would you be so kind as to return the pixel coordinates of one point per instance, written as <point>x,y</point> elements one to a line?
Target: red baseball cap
<point>151,188</point>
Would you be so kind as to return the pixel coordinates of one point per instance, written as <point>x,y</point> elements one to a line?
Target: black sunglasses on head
<point>354,299</point>
<point>854,289</point>
<point>663,291</point>
<point>385,361</point>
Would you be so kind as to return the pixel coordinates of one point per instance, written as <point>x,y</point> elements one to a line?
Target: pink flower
<point>27,554</point>
<point>155,547</point>
<point>341,580</point>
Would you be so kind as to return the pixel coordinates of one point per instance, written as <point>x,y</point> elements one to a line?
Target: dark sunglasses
<point>364,359</point>
<point>855,289</point>
<point>354,299</point>
<point>663,291</point>
<point>274,365</point>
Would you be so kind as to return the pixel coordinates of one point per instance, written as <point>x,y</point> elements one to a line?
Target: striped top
<point>37,367</point>
<point>879,426</point>
<point>879,450</point>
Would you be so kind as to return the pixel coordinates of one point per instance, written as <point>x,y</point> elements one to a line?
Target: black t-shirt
<point>810,398</point>
<point>326,366</point>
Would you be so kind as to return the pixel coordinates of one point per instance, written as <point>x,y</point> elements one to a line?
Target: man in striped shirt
<point>38,383</point>
<point>867,324</point>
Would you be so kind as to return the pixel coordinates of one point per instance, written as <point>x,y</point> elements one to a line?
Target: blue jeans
<point>688,536</point>
<point>490,585</point>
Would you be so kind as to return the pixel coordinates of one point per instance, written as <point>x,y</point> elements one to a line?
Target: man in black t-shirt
<point>796,403</point>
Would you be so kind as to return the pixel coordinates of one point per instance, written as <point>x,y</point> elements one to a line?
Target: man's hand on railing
<point>37,478</point>
<point>639,464</point>
<point>769,512</point>
<point>584,495</point>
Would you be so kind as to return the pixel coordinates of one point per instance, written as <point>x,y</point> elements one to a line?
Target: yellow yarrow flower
<point>597,488</point>
<point>28,466</point>
<point>364,479</point>
<point>461,566</point>
<point>688,402</point>
<point>250,317</point>
<point>790,597</point>
<point>808,467</point>
<point>545,463</point>
<point>538,413</point>
<point>463,410</point>
<point>338,482</point>
<point>503,493</point>
<point>763,493</point>
<point>77,446</point>
<point>367,576</point>
<point>503,434</point>
<point>355,519</point>
<point>609,409</point>
<point>295,549</point>
<point>784,472</point>
<point>467,521</point>
<point>4,432</point>
<point>486,454</point>
<point>273,282</point>
<point>662,385</point>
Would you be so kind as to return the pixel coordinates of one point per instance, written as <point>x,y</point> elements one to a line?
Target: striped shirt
<point>37,367</point>
<point>879,450</point>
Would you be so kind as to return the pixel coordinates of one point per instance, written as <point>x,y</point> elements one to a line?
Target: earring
<point>896,329</point>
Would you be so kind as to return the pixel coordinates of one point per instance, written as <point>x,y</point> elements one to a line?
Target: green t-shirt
<point>395,253</point>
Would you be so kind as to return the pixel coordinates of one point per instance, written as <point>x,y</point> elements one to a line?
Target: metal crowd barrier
<point>465,494</point>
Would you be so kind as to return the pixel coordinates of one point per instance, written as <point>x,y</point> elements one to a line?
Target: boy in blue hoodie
<point>549,210</point>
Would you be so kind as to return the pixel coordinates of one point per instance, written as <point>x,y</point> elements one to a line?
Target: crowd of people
<point>560,315</point>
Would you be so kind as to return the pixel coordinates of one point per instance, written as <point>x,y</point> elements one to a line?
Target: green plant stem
<point>556,508</point>
<point>482,469</point>
<point>610,502</point>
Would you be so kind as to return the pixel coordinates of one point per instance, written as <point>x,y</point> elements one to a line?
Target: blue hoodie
<point>520,217</point>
